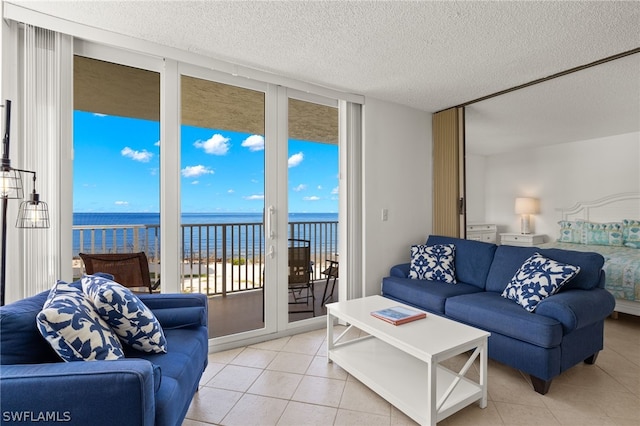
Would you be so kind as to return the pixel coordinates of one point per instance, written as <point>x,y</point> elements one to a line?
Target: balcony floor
<point>238,312</point>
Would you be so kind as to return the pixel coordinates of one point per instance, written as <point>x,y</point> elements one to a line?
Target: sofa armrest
<point>178,310</point>
<point>93,392</point>
<point>400,271</point>
<point>575,309</point>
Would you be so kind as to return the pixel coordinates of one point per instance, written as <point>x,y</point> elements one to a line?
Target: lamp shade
<point>526,205</point>
<point>33,213</point>
<point>11,184</point>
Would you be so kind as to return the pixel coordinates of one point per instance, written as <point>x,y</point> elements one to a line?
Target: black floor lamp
<point>33,213</point>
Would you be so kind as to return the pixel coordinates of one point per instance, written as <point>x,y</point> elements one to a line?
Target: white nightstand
<point>522,240</point>
<point>482,232</point>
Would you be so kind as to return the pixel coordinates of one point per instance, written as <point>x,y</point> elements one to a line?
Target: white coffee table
<point>401,363</point>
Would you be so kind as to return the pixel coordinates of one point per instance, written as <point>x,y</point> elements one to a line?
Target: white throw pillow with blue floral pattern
<point>435,263</point>
<point>129,318</point>
<point>70,324</point>
<point>537,279</point>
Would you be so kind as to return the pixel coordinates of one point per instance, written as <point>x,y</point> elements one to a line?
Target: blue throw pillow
<point>69,322</point>
<point>537,279</point>
<point>129,318</point>
<point>435,263</point>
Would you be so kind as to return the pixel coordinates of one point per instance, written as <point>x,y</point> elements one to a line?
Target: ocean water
<point>239,234</point>
<point>190,218</point>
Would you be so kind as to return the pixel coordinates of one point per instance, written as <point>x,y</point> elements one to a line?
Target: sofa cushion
<point>472,261</point>
<point>129,318</point>
<point>508,259</point>
<point>73,328</point>
<point>492,312</point>
<point>433,263</point>
<point>537,279</point>
<point>428,295</point>
<point>20,339</point>
<point>181,369</point>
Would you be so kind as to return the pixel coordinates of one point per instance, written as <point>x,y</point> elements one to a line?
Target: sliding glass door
<point>116,172</point>
<point>312,194</point>
<point>253,172</point>
<point>222,201</point>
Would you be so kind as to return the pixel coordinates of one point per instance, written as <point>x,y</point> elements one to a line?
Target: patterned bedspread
<point>622,267</point>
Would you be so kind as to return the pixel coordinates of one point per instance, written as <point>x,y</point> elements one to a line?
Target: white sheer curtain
<point>43,144</point>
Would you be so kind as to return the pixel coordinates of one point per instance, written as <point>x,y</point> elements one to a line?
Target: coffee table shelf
<point>401,363</point>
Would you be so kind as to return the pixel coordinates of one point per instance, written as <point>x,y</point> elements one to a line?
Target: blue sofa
<point>142,389</point>
<point>565,329</point>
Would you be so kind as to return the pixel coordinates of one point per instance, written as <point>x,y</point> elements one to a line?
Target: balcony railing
<point>217,259</point>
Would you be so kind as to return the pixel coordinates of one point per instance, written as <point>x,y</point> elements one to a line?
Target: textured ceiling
<point>427,55</point>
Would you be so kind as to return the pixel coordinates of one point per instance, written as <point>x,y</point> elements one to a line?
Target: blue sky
<point>116,169</point>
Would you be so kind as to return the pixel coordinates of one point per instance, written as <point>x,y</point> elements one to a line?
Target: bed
<point>609,226</point>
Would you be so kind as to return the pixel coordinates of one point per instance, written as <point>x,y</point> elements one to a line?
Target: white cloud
<point>319,187</point>
<point>312,198</point>
<point>121,203</point>
<point>254,143</point>
<point>195,171</point>
<point>143,156</point>
<point>231,191</point>
<point>97,114</point>
<point>216,145</point>
<point>157,143</point>
<point>195,182</point>
<point>300,187</point>
<point>334,190</point>
<point>296,159</point>
<point>254,197</point>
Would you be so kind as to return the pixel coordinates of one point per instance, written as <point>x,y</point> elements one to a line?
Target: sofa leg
<point>539,385</point>
<point>592,359</point>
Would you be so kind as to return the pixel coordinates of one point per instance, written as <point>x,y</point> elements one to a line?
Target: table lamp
<point>526,206</point>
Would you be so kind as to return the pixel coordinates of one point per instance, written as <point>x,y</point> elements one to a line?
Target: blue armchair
<point>142,389</point>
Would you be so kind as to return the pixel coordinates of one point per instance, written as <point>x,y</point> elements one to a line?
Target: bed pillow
<point>70,324</point>
<point>538,278</point>
<point>603,234</point>
<point>571,231</point>
<point>631,233</point>
<point>435,263</point>
<point>129,318</point>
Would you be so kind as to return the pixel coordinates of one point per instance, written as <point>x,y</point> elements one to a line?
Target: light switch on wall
<point>385,215</point>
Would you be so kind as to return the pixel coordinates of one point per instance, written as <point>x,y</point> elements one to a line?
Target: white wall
<point>475,171</point>
<point>560,176</point>
<point>397,176</point>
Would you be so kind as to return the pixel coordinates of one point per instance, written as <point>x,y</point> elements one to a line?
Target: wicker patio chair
<point>129,269</point>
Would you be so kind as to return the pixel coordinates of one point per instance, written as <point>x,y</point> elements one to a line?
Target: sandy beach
<point>210,278</point>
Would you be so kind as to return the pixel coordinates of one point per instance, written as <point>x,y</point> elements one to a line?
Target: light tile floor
<point>288,381</point>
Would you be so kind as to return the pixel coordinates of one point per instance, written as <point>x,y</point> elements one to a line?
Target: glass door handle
<point>268,225</point>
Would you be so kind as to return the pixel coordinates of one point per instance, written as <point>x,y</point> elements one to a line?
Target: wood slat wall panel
<point>446,173</point>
